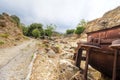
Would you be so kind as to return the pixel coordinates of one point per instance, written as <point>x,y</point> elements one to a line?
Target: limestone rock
<point>108,20</point>
<point>67,69</point>
<point>77,76</point>
<point>56,49</point>
<point>51,53</point>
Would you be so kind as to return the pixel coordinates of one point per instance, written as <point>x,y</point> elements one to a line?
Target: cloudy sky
<point>65,14</point>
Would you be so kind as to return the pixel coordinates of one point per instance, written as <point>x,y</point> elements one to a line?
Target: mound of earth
<point>10,32</point>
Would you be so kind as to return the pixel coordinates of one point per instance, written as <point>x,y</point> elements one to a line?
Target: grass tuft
<point>5,35</point>
<point>1,42</point>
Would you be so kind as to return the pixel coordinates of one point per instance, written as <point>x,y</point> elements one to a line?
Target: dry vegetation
<point>10,33</point>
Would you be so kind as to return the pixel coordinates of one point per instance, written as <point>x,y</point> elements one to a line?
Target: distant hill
<point>10,32</point>
<point>109,19</point>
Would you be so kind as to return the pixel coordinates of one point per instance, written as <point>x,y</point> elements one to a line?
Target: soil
<point>14,61</point>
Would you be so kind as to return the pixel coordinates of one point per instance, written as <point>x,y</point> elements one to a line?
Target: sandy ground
<point>14,61</point>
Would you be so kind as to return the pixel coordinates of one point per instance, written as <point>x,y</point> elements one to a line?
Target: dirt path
<point>14,61</point>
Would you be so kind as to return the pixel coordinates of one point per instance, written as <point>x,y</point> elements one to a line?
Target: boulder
<point>56,49</point>
<point>51,53</point>
<point>67,69</point>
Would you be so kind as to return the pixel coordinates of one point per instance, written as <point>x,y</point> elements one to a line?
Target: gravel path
<point>14,61</point>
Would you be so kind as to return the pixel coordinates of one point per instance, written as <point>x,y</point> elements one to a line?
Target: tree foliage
<point>36,33</point>
<point>36,30</point>
<point>24,29</point>
<point>79,30</point>
<point>34,26</point>
<point>49,30</point>
<point>81,27</point>
<point>70,31</point>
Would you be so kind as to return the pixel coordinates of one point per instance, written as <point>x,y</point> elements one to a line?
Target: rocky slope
<point>10,33</point>
<point>109,19</point>
<point>54,61</point>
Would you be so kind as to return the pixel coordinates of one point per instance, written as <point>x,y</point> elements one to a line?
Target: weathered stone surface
<point>77,76</point>
<point>56,49</point>
<point>51,54</point>
<point>109,19</point>
<point>67,69</point>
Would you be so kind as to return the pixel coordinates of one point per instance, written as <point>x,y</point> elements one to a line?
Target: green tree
<point>36,33</point>
<point>24,29</point>
<point>80,27</point>
<point>34,26</point>
<point>49,30</point>
<point>70,31</point>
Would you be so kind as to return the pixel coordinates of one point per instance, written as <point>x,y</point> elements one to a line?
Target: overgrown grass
<point>5,35</point>
<point>1,42</point>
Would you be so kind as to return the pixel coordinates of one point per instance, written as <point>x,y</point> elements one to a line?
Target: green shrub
<point>81,27</point>
<point>70,31</point>
<point>49,30</point>
<point>79,30</point>
<point>34,26</point>
<point>36,33</point>
<point>25,30</point>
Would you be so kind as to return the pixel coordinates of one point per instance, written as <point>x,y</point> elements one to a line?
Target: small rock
<point>56,49</point>
<point>64,42</point>
<point>51,54</point>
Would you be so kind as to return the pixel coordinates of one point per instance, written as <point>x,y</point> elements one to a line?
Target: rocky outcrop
<point>67,69</point>
<point>108,20</point>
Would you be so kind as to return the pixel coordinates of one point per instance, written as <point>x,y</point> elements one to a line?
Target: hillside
<point>109,19</point>
<point>10,32</point>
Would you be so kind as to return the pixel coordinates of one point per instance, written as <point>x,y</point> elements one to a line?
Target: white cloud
<point>63,13</point>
